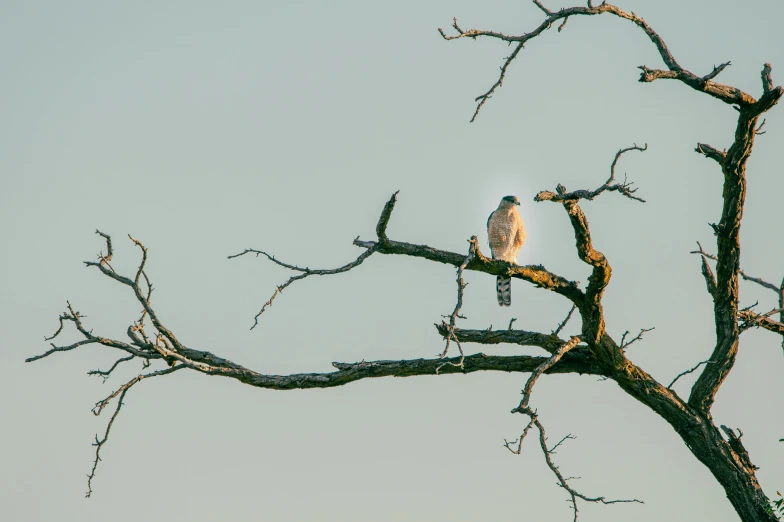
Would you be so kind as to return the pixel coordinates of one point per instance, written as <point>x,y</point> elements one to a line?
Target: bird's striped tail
<point>503,287</point>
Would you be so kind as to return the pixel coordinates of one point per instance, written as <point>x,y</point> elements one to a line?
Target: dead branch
<point>712,153</point>
<point>554,358</point>
<point>725,291</point>
<point>524,408</point>
<point>305,272</point>
<point>716,71</point>
<point>450,328</point>
<point>625,344</point>
<point>751,319</point>
<point>519,441</point>
<point>101,405</point>
<point>744,275</point>
<point>535,274</point>
<point>737,447</point>
<point>748,318</point>
<point>591,308</point>
<point>725,93</point>
<point>562,323</point>
<point>623,188</point>
<point>563,481</point>
<point>165,346</point>
<point>549,342</point>
<point>106,373</point>
<point>669,386</point>
<point>99,444</point>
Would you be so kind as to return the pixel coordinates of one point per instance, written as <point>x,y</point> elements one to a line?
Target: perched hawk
<point>506,234</point>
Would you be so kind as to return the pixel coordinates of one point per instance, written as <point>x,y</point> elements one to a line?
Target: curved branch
<point>726,93</point>
<point>106,373</point>
<point>546,365</point>
<point>102,404</point>
<point>687,372</point>
<point>624,188</point>
<point>563,481</point>
<point>305,272</point>
<point>591,311</point>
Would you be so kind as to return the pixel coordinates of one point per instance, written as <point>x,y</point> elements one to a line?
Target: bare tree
<point>593,351</point>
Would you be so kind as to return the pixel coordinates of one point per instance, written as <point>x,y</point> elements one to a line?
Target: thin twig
<point>563,481</point>
<point>669,386</point>
<point>450,330</point>
<point>105,374</point>
<point>305,272</point>
<point>554,358</point>
<point>99,444</point>
<point>625,345</point>
<point>566,320</point>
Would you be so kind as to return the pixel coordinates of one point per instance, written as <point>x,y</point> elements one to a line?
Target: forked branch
<point>525,409</point>
<point>674,71</point>
<point>624,188</point>
<point>304,272</point>
<point>461,284</point>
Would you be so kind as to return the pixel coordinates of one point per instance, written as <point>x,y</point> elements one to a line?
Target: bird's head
<point>509,201</point>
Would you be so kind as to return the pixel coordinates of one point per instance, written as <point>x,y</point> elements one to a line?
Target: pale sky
<point>204,128</point>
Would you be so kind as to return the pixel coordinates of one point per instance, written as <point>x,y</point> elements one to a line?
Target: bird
<point>506,235</point>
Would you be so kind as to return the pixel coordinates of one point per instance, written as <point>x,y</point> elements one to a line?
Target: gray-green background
<point>203,128</point>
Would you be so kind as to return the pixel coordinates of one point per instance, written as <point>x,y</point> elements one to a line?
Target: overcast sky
<point>204,128</point>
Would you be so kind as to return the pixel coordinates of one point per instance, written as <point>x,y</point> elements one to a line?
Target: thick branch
<point>535,274</point>
<point>591,308</point>
<point>591,311</point>
<point>350,372</point>
<point>779,290</point>
<point>758,320</point>
<point>550,343</point>
<point>728,258</point>
<point>712,153</point>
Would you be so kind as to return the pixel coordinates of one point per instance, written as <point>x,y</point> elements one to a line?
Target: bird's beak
<point>518,203</point>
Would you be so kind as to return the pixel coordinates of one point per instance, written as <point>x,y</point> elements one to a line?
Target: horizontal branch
<point>535,274</point>
<point>753,319</point>
<point>624,188</point>
<point>551,343</point>
<point>350,372</point>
